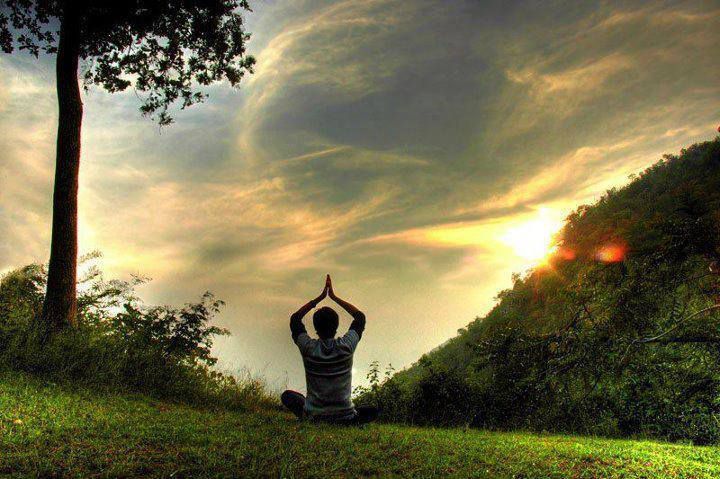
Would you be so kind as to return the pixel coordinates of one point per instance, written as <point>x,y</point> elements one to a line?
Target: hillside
<point>50,430</point>
<point>619,334</point>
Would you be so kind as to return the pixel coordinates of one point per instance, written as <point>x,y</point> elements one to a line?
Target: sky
<point>418,151</point>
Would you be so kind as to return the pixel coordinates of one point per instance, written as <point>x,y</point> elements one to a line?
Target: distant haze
<point>418,151</point>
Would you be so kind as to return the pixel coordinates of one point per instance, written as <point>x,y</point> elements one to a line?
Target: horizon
<point>420,171</point>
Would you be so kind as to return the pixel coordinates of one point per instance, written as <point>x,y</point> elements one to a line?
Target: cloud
<point>580,80</point>
<point>26,153</point>
<point>583,168</point>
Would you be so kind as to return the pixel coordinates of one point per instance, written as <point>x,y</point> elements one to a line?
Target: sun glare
<point>531,240</point>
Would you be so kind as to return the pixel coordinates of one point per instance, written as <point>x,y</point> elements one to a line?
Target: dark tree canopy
<point>167,50</point>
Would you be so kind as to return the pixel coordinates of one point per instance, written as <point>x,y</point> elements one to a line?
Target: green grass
<point>60,431</point>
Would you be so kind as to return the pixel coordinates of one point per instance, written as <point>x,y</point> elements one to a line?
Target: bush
<point>120,343</point>
<point>383,393</point>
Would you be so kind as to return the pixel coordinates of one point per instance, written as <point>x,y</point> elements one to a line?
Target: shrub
<point>120,343</point>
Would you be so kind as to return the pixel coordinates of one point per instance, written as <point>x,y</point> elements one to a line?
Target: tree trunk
<point>60,305</point>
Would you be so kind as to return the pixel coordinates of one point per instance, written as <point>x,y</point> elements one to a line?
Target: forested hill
<point>619,334</point>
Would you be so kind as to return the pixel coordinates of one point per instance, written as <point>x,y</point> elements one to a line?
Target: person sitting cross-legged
<point>328,364</point>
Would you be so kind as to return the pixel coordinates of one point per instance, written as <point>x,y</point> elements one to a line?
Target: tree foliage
<point>619,335</point>
<point>166,50</point>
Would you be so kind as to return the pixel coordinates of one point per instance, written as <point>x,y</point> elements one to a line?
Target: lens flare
<point>611,253</point>
<point>565,253</point>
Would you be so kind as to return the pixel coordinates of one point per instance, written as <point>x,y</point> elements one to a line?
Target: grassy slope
<point>49,430</point>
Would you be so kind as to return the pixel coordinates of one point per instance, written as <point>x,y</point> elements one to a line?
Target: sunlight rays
<point>532,239</point>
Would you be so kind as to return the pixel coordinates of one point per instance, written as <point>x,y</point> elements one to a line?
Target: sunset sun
<point>532,239</point>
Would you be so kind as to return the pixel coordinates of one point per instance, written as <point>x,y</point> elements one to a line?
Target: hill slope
<point>618,335</point>
<point>48,430</point>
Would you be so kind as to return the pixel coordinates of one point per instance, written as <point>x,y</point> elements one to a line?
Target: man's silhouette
<point>328,364</point>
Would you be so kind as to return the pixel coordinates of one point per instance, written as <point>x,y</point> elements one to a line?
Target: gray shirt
<point>328,373</point>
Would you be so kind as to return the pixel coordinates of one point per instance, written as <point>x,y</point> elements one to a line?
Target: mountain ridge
<point>559,349</point>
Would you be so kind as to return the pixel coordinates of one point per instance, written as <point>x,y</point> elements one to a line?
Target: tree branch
<point>687,339</point>
<point>655,339</point>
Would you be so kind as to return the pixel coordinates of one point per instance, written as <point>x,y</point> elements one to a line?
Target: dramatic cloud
<point>403,146</point>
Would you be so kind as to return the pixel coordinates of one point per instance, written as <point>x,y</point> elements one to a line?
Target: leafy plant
<point>119,342</point>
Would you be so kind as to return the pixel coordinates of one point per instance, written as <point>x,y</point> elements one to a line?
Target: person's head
<point>326,322</point>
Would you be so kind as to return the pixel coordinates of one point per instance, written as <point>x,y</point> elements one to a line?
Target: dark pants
<point>295,402</point>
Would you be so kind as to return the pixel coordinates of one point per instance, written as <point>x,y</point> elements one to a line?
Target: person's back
<point>328,364</point>
<point>328,373</point>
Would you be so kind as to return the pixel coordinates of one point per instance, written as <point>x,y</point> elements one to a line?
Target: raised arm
<point>358,323</point>
<point>296,325</point>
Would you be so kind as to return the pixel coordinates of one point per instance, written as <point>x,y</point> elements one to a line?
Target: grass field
<point>57,431</point>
